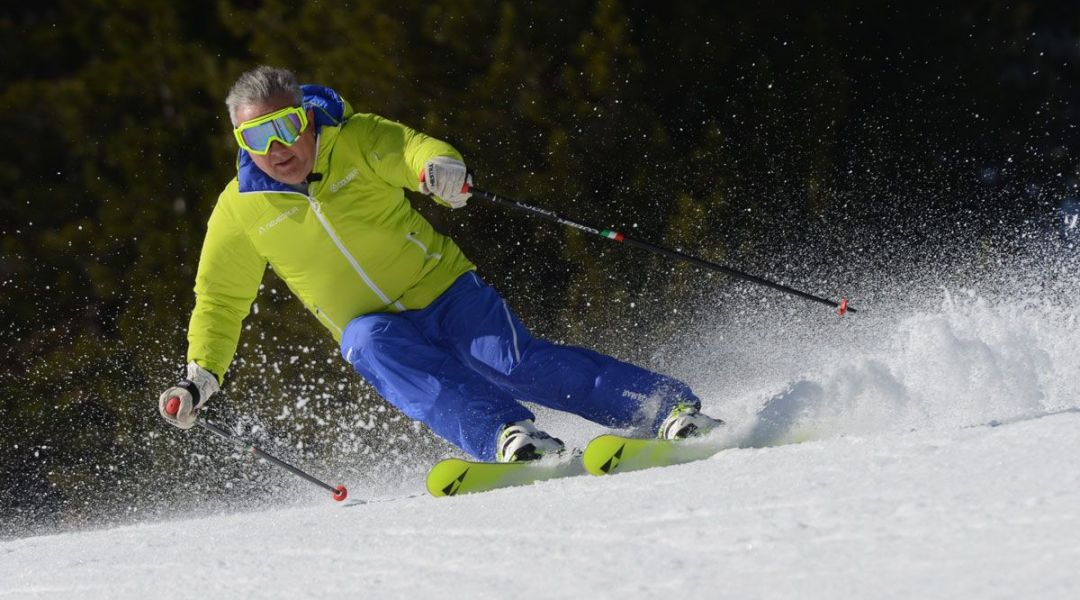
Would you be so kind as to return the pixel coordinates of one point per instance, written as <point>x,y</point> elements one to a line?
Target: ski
<point>609,454</point>
<point>604,455</point>
<point>454,476</point>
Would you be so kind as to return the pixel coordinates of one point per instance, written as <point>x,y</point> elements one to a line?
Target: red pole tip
<point>843,307</point>
<point>172,406</point>
<point>340,493</point>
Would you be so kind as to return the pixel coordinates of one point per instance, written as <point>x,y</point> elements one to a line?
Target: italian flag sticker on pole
<point>614,235</point>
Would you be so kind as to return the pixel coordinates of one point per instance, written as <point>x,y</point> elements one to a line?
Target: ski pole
<point>841,306</point>
<point>339,492</point>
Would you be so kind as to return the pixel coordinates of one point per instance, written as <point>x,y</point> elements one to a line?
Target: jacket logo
<point>337,185</point>
<point>278,219</point>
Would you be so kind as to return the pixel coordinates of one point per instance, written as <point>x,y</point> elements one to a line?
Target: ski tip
<point>340,493</point>
<point>842,308</point>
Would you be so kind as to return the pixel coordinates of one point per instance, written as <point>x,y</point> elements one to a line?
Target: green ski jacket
<point>351,245</point>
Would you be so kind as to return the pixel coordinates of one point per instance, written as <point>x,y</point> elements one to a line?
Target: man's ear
<point>311,117</point>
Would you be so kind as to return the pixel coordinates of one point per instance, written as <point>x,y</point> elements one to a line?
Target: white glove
<point>445,178</point>
<point>190,395</point>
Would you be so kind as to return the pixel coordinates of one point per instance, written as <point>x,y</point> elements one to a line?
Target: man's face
<point>287,164</point>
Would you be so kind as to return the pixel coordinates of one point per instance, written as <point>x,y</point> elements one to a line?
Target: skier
<point>319,196</point>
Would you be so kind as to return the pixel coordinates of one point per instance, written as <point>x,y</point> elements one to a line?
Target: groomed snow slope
<point>981,512</point>
<point>938,459</point>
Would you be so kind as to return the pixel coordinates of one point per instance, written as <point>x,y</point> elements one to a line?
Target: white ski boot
<point>686,420</point>
<point>523,441</point>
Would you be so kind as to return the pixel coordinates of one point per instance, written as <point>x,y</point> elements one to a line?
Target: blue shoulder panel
<point>328,106</point>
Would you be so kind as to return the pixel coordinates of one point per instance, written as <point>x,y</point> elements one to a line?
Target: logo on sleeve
<point>278,219</point>
<point>337,185</point>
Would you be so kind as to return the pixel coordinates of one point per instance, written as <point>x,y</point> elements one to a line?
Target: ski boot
<point>522,441</point>
<point>686,420</point>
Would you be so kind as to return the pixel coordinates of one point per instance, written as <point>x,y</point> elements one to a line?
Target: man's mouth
<point>282,163</point>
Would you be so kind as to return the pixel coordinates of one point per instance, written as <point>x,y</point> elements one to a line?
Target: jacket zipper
<point>326,318</point>
<point>409,236</point>
<point>317,209</point>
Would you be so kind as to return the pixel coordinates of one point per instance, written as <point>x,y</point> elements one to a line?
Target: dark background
<point>813,143</point>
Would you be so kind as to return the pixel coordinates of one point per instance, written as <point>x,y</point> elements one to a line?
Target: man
<point>319,196</point>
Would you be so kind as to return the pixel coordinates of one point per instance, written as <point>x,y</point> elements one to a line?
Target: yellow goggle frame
<point>285,126</point>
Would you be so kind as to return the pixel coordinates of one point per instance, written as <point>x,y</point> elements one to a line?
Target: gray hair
<point>261,84</point>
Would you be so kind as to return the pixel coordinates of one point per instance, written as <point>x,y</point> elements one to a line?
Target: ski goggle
<point>284,125</point>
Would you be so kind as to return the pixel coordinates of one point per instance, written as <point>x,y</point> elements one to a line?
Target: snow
<point>987,511</point>
<point>910,453</point>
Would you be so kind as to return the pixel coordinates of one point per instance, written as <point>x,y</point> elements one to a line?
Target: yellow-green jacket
<point>351,245</point>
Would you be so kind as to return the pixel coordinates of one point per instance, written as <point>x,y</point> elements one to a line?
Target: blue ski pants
<point>462,364</point>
